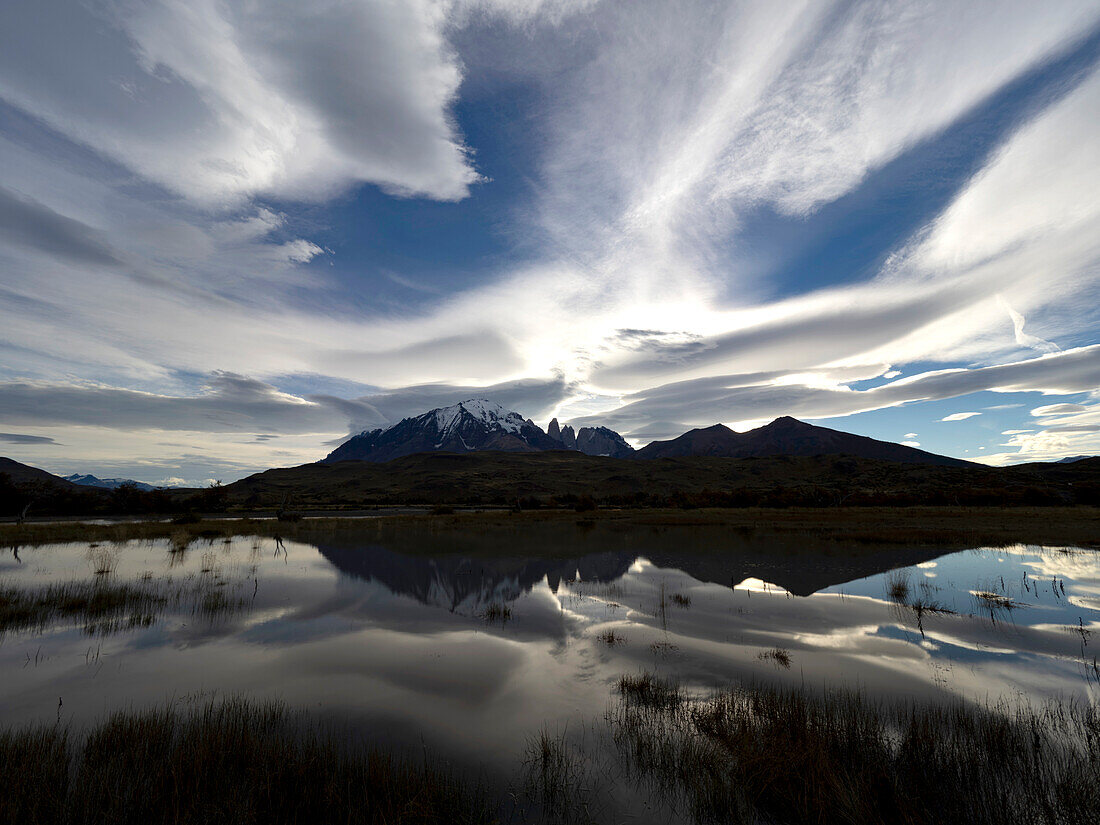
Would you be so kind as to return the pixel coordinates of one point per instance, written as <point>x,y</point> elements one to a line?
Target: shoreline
<point>977,526</point>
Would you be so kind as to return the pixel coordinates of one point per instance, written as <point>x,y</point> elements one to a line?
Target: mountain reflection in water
<point>397,635</point>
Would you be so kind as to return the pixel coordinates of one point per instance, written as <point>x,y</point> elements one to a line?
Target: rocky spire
<point>553,431</point>
<point>568,437</point>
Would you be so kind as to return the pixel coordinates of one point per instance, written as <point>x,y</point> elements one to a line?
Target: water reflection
<point>402,641</point>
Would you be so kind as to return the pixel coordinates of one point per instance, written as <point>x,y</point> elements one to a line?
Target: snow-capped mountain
<point>88,480</point>
<point>476,424</point>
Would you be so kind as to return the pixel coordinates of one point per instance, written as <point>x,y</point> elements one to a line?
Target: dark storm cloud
<point>20,438</point>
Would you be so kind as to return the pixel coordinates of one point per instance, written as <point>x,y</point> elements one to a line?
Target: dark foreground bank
<point>741,756</point>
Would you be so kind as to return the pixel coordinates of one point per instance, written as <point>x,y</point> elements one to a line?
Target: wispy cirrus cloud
<point>759,207</point>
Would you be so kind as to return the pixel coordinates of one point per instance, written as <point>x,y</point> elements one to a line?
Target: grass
<point>552,773</point>
<point>897,586</point>
<point>611,638</point>
<point>497,612</point>
<point>105,606</point>
<point>779,655</point>
<point>645,690</point>
<point>230,762</point>
<point>780,756</point>
<point>995,601</point>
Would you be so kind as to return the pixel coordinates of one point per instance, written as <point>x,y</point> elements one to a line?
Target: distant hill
<point>24,473</point>
<point>106,483</point>
<point>791,437</point>
<point>1071,459</point>
<point>564,477</point>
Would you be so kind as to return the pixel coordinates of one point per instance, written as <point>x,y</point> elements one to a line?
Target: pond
<point>426,641</point>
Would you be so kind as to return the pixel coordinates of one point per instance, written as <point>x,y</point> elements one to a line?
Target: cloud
<point>910,443</point>
<point>1067,430</point>
<point>1058,409</point>
<point>1023,338</point>
<point>27,223</point>
<point>960,416</point>
<point>19,438</point>
<point>910,435</point>
<point>228,403</point>
<point>532,398</point>
<point>219,101</point>
<point>172,481</point>
<point>681,149</point>
<point>757,397</point>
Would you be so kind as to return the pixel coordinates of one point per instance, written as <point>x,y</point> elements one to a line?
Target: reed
<point>228,762</point>
<point>783,756</point>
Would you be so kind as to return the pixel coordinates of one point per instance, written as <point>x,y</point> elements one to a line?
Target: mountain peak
<point>479,409</point>
<point>786,422</point>
<point>473,424</point>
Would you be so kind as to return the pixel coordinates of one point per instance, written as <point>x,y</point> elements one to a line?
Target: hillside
<point>789,436</point>
<point>24,474</point>
<point>563,478</point>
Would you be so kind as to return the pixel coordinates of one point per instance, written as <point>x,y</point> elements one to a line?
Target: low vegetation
<point>104,606</point>
<point>774,755</point>
<point>781,657</point>
<point>817,529</point>
<point>228,762</point>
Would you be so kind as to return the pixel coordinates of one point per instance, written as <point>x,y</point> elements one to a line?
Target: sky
<point>232,232</point>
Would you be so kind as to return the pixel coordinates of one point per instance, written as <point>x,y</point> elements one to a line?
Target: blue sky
<point>233,232</point>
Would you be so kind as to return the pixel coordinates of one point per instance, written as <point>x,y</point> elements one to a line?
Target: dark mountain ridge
<point>789,436</point>
<point>478,425</point>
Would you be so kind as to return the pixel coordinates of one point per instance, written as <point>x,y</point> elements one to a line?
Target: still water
<point>428,641</point>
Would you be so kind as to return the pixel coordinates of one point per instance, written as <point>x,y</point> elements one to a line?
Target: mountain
<point>24,473</point>
<point>1072,458</point>
<point>590,440</point>
<point>791,437</point>
<point>470,425</point>
<point>718,440</point>
<point>88,480</point>
<point>602,441</point>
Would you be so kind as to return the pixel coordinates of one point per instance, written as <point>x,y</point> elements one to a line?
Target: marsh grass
<point>645,690</point>
<point>996,601</point>
<point>497,612</point>
<point>897,586</point>
<point>773,755</point>
<point>105,606</point>
<point>778,655</point>
<point>611,638</point>
<point>555,779</point>
<point>680,600</point>
<point>230,762</point>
